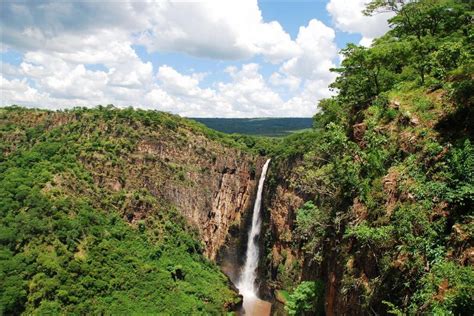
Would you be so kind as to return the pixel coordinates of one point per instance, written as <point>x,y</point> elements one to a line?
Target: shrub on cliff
<point>306,299</point>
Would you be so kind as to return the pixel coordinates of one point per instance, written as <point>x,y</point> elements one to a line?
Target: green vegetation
<point>70,245</point>
<point>387,173</point>
<point>307,297</point>
<point>389,168</point>
<point>273,127</point>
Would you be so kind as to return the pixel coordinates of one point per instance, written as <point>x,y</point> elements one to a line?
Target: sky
<point>208,58</point>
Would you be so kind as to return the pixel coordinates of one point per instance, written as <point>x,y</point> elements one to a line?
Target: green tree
<point>306,298</point>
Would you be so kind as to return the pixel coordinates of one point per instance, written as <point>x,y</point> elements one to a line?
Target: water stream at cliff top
<point>246,284</point>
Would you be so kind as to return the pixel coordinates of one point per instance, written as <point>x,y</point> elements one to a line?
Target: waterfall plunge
<point>246,283</point>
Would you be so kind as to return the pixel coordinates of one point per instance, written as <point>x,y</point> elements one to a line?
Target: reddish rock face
<point>359,132</point>
<point>216,188</point>
<point>211,185</point>
<point>282,209</point>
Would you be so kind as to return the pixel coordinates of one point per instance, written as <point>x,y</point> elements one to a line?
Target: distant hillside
<point>257,126</point>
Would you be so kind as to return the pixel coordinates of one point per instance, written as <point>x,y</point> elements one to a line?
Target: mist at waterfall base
<point>246,284</point>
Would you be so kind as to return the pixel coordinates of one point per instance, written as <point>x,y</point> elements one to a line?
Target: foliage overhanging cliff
<point>386,176</point>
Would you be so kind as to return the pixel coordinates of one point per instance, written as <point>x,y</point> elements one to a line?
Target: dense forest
<point>274,127</point>
<point>386,175</point>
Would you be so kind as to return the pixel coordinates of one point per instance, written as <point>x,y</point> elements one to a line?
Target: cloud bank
<point>83,53</point>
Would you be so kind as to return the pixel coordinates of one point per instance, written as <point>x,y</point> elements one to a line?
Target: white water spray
<point>246,283</point>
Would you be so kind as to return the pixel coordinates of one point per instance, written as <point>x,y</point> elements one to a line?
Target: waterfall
<point>246,283</point>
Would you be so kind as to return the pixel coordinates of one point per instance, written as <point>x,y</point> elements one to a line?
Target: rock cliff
<point>283,259</point>
<point>215,188</point>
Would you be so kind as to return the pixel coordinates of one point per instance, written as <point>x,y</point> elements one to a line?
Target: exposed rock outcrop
<point>282,208</point>
<point>210,184</point>
<point>281,259</point>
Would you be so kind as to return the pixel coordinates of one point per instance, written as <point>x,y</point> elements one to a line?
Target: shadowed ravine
<point>252,305</point>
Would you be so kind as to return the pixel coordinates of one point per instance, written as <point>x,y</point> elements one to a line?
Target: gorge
<point>248,276</point>
<point>111,210</point>
<point>187,196</point>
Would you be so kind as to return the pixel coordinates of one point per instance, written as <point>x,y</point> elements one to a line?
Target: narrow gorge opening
<point>252,304</point>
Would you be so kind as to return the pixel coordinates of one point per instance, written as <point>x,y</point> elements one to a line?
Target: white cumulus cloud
<point>222,29</point>
<point>348,17</point>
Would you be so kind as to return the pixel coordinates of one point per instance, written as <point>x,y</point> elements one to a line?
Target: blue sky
<point>293,14</point>
<point>206,58</point>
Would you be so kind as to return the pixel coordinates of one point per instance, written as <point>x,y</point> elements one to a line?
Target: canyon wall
<point>210,184</point>
<point>216,186</point>
<point>281,259</point>
<point>284,263</point>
